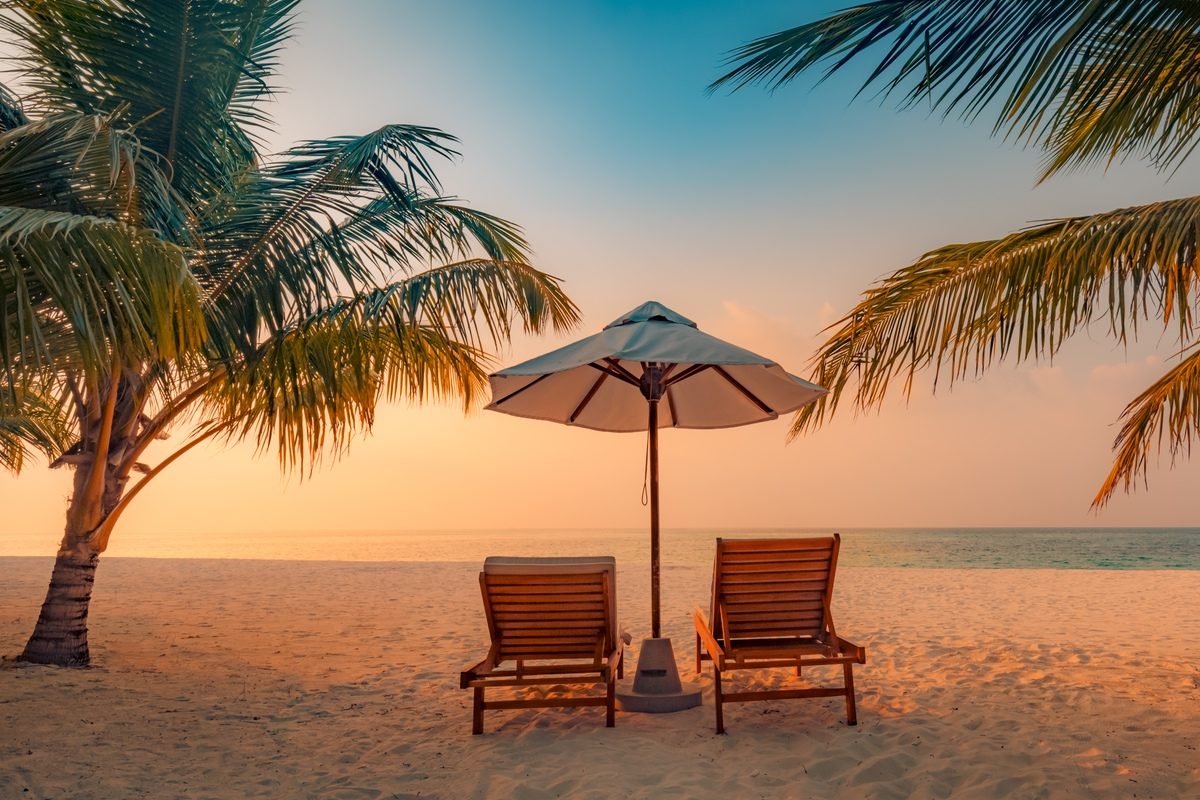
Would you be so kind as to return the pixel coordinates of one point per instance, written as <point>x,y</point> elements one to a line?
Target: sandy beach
<point>224,679</point>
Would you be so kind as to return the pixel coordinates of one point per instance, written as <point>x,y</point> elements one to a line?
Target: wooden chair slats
<point>504,605</point>
<point>800,570</point>
<point>552,624</point>
<point>766,545</point>
<point>545,579</point>
<point>772,601</point>
<point>546,593</point>
<point>735,584</point>
<point>774,619</point>
<point>548,638</point>
<point>556,626</point>
<point>771,608</point>
<point>778,558</point>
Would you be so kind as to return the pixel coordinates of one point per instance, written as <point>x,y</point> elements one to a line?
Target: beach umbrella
<point>651,368</point>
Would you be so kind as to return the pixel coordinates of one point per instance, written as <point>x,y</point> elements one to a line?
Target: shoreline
<point>49,558</point>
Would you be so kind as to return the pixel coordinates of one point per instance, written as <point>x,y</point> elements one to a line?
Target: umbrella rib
<point>620,372</point>
<point>695,369</point>
<point>529,385</point>
<point>766,409</point>
<point>587,398</point>
<point>671,405</point>
<point>607,370</point>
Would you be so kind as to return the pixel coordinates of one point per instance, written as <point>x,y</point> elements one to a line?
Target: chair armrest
<point>704,631</point>
<point>849,648</point>
<point>482,668</point>
<point>618,652</point>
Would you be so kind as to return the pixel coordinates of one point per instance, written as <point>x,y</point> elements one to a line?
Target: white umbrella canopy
<point>603,382</point>
<point>651,368</point>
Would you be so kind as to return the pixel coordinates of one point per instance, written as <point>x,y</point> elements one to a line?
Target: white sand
<point>313,679</point>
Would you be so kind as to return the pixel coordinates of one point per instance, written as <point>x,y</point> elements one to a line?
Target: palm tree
<point>1088,82</point>
<point>158,271</point>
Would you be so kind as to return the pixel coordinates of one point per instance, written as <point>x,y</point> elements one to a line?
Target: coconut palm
<point>159,272</point>
<point>1087,81</point>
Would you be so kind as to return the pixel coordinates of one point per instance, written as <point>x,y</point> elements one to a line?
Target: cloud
<point>777,337</point>
<point>827,315</point>
<point>1047,380</point>
<point>1122,372</point>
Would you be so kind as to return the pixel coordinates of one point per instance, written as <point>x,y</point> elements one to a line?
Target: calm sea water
<point>1060,548</point>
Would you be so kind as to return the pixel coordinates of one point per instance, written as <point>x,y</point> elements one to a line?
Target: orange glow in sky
<point>759,216</point>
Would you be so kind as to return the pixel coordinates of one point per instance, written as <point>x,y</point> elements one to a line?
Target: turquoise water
<point>1060,548</point>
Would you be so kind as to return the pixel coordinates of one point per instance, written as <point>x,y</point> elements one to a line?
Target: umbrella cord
<point>646,474</point>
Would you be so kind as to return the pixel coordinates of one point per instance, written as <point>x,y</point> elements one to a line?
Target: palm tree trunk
<point>60,636</point>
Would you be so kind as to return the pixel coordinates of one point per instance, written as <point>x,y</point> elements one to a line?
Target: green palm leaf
<point>960,308</point>
<point>30,422</point>
<point>1169,410</point>
<point>282,214</point>
<point>182,67</point>
<point>1088,79</point>
<point>11,113</point>
<point>80,292</point>
<point>87,163</point>
<point>309,388</point>
<point>404,235</point>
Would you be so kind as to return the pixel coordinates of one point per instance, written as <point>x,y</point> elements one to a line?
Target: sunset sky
<point>761,216</point>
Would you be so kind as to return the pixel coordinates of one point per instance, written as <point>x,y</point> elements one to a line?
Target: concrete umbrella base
<point>656,688</point>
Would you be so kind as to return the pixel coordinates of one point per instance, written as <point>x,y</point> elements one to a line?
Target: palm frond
<point>81,291</point>
<point>420,230</point>
<point>12,114</point>
<point>960,308</point>
<point>88,164</point>
<point>186,69</point>
<point>266,26</point>
<point>334,216</point>
<point>280,210</point>
<point>309,390</point>
<point>1088,79</point>
<point>476,301</point>
<point>30,422</point>
<point>1168,410</point>
<point>1135,90</point>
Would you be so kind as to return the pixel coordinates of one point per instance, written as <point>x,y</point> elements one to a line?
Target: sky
<point>760,215</point>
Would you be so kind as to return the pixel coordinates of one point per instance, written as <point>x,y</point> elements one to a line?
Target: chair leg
<point>851,711</point>
<point>477,715</point>
<point>699,668</point>
<point>611,714</point>
<point>717,698</point>
<point>621,666</point>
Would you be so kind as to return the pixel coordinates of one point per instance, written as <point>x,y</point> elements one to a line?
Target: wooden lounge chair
<point>770,608</point>
<point>555,620</point>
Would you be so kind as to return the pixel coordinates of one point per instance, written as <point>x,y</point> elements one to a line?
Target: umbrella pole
<point>656,685</point>
<point>655,626</point>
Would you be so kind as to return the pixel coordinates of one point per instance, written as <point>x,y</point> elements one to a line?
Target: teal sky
<point>761,216</point>
<point>588,122</point>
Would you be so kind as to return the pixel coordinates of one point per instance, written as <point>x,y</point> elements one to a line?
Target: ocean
<point>970,548</point>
